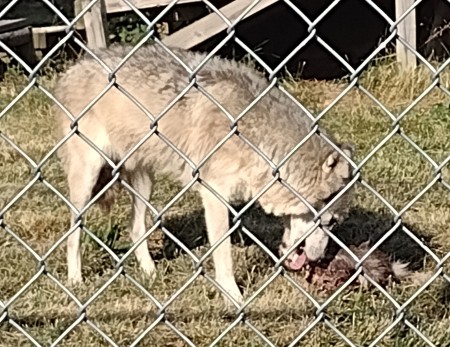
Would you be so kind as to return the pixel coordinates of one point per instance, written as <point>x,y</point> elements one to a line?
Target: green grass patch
<point>397,171</point>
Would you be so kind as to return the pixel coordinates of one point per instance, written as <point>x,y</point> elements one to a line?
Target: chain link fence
<point>240,313</point>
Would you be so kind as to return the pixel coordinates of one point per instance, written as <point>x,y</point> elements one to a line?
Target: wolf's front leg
<point>216,215</point>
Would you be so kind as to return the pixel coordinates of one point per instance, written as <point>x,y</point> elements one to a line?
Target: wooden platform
<point>7,25</point>
<point>16,34</point>
<point>114,6</point>
<point>188,37</point>
<point>212,24</point>
<point>198,29</point>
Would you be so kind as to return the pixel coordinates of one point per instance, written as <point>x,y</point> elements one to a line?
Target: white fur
<point>195,126</point>
<point>315,244</point>
<point>400,269</point>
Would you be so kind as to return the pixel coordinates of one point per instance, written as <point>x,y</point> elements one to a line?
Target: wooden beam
<point>12,24</point>
<point>78,7</point>
<point>114,6</point>
<point>20,41</point>
<point>95,24</point>
<point>16,37</point>
<point>40,35</point>
<point>407,31</point>
<point>49,30</point>
<point>212,24</point>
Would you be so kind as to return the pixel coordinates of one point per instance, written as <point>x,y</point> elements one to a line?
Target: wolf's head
<point>333,174</point>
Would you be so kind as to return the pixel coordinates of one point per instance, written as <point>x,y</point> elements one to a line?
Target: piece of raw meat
<point>378,266</point>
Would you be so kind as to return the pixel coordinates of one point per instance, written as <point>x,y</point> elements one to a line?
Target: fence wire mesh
<point>240,313</point>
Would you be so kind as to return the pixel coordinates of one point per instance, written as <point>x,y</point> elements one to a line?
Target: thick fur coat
<point>149,94</point>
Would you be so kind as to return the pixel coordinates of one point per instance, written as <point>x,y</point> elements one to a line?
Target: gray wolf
<point>195,125</point>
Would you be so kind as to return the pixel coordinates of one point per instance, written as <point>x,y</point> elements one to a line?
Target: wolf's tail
<point>400,269</point>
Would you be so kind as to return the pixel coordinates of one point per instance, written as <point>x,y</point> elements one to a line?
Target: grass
<point>398,172</point>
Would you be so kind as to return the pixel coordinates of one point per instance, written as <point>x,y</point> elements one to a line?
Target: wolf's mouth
<point>296,260</point>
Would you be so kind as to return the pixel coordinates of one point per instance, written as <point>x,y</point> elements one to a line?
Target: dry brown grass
<point>281,312</point>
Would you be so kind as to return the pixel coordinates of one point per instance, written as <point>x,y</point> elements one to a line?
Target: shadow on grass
<point>360,226</point>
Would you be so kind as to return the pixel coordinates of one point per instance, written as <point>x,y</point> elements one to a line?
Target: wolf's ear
<point>330,162</point>
<point>338,163</point>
